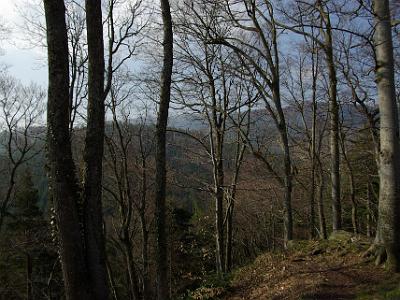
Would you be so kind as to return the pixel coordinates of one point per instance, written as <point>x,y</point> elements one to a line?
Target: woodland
<point>202,149</point>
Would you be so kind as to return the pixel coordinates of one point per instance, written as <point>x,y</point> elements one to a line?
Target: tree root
<point>376,252</point>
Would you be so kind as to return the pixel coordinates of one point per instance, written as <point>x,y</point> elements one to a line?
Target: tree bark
<point>29,282</point>
<point>334,131</point>
<point>219,178</point>
<point>288,178</point>
<point>162,119</point>
<point>388,233</point>
<point>321,212</point>
<point>93,156</point>
<point>369,211</point>
<point>62,178</point>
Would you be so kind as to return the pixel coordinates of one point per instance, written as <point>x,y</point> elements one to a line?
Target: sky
<point>25,63</point>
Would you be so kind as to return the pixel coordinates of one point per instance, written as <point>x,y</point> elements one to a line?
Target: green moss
<point>341,235</point>
<point>386,291</point>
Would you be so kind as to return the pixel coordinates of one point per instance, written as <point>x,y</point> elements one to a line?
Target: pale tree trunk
<point>313,146</point>
<point>93,156</point>
<point>162,119</point>
<point>231,202</point>
<point>313,181</point>
<point>288,177</point>
<point>62,179</point>
<point>217,134</point>
<point>354,218</point>
<point>219,192</point>
<point>282,127</point>
<point>369,210</point>
<point>219,220</point>
<point>133,284</point>
<point>334,134</point>
<point>388,235</point>
<point>321,212</point>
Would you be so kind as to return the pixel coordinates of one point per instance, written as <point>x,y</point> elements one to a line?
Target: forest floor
<point>331,269</point>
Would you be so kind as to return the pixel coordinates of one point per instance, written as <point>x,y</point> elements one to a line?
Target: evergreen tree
<point>27,251</point>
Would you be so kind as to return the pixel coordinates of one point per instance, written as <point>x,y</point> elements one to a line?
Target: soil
<point>336,270</point>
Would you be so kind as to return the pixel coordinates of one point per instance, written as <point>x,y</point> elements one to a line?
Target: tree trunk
<point>334,138</point>
<point>132,274</point>
<point>388,234</point>
<point>313,164</point>
<point>145,259</point>
<point>62,179</point>
<point>112,283</point>
<point>369,212</point>
<point>219,201</point>
<point>229,237</point>
<point>162,119</point>
<point>315,65</point>
<point>93,156</point>
<point>354,217</point>
<point>321,213</point>
<point>29,282</point>
<point>288,184</point>
<point>334,120</point>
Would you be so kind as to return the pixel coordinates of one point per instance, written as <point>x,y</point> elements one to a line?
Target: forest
<point>201,149</point>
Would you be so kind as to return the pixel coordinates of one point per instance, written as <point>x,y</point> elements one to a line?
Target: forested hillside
<point>201,149</point>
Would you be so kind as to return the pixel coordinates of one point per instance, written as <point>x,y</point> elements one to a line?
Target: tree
<point>304,18</point>
<point>93,156</point>
<point>388,235</point>
<point>28,228</point>
<point>82,247</point>
<point>62,178</point>
<point>21,107</point>
<point>261,58</point>
<point>161,130</point>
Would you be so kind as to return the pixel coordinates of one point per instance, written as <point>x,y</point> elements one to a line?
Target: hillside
<point>332,269</point>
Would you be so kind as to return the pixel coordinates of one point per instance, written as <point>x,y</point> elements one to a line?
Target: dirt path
<point>332,273</point>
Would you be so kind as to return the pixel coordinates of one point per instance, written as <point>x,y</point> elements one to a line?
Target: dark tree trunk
<point>162,119</point>
<point>29,282</point>
<point>93,156</point>
<point>62,178</point>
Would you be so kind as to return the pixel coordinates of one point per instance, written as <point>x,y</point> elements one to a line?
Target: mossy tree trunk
<point>62,178</point>
<point>388,235</point>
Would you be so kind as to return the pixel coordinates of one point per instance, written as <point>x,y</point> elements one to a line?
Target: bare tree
<point>257,47</point>
<point>387,237</point>
<point>93,156</point>
<point>161,129</point>
<point>303,17</point>
<point>62,177</point>
<point>21,109</point>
